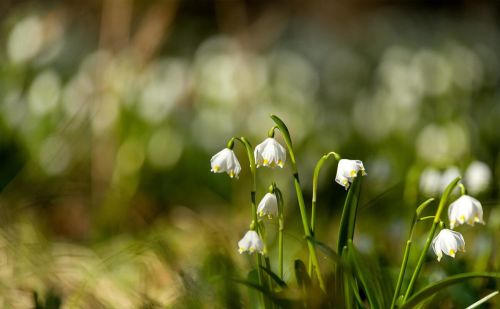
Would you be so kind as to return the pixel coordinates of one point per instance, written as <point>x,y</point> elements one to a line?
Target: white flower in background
<point>465,209</point>
<point>430,181</point>
<point>448,242</point>
<point>477,177</point>
<point>347,170</point>
<point>268,206</point>
<point>251,242</point>
<point>448,176</point>
<point>270,153</point>
<point>225,161</point>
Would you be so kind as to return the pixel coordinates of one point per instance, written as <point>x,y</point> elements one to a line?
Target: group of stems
<point>437,220</point>
<point>300,197</point>
<point>309,230</point>
<point>254,226</point>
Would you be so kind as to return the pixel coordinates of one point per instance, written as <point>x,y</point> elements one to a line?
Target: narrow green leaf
<point>303,279</point>
<point>328,251</point>
<point>367,277</point>
<point>285,303</point>
<point>424,205</point>
<point>438,286</point>
<point>483,300</point>
<point>348,218</point>
<point>275,277</point>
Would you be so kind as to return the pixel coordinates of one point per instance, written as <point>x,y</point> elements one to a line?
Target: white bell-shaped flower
<point>465,209</point>
<point>347,170</point>
<point>477,177</point>
<point>268,206</point>
<point>251,242</point>
<point>430,181</point>
<point>270,153</point>
<point>448,242</point>
<point>225,161</point>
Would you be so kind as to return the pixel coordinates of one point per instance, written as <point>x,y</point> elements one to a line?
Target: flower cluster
<point>465,209</point>
<point>270,153</point>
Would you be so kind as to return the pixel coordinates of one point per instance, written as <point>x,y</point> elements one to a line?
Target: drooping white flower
<point>347,170</point>
<point>268,206</point>
<point>477,177</point>
<point>448,242</point>
<point>251,242</point>
<point>225,161</point>
<point>270,153</point>
<point>465,209</point>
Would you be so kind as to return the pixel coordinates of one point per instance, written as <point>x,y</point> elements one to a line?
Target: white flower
<point>347,170</point>
<point>448,176</point>
<point>448,242</point>
<point>477,177</point>
<point>270,153</point>
<point>225,161</point>
<point>430,181</point>
<point>268,206</point>
<point>465,209</point>
<point>251,242</point>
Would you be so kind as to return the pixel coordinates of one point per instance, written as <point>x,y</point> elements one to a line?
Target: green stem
<point>442,203</point>
<point>463,190</point>
<point>320,163</point>
<point>407,251</point>
<point>254,225</point>
<point>300,198</point>
<point>281,228</point>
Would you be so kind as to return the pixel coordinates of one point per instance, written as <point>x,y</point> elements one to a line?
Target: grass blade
<point>367,278</point>
<point>275,277</point>
<point>438,286</point>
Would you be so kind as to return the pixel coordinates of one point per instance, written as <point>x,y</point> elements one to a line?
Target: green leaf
<point>422,206</point>
<point>275,277</point>
<point>483,300</point>
<point>348,219</point>
<point>285,303</point>
<point>328,251</point>
<point>303,279</point>
<point>367,276</point>
<point>438,286</point>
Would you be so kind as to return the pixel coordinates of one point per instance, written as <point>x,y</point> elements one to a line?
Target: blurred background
<point>110,111</point>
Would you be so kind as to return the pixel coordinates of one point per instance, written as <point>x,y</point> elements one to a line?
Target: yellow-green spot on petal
<point>452,252</point>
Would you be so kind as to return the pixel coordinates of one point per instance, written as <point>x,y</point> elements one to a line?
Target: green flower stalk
<point>252,237</point>
<point>406,254</point>
<point>300,198</point>
<point>281,227</point>
<point>317,169</point>
<point>430,236</point>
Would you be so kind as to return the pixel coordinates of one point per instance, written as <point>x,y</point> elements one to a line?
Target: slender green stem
<point>406,254</point>
<point>442,203</point>
<point>463,190</point>
<point>300,198</point>
<point>401,273</point>
<point>254,225</point>
<point>317,169</point>
<point>281,228</point>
